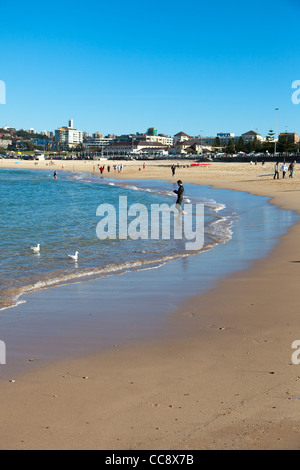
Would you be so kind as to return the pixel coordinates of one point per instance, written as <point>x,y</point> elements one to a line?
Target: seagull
<point>74,257</point>
<point>36,249</point>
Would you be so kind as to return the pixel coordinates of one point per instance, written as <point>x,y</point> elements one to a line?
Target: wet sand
<point>220,378</point>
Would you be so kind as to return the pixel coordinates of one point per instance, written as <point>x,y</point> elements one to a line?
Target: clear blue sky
<point>120,67</point>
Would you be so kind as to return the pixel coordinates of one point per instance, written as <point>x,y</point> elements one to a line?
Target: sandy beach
<point>221,377</point>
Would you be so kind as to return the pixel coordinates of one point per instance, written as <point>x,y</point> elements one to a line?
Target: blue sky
<point>121,67</point>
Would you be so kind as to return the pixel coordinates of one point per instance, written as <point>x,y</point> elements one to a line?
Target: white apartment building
<point>180,137</point>
<point>68,136</point>
<point>4,143</point>
<point>164,140</point>
<point>47,133</point>
<point>251,135</point>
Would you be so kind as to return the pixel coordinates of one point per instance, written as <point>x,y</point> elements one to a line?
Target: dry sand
<point>221,378</point>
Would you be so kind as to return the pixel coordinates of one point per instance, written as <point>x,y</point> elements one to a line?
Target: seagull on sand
<point>36,249</point>
<point>74,257</point>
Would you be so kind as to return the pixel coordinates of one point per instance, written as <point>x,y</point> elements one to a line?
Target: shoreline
<point>225,178</point>
<point>222,393</point>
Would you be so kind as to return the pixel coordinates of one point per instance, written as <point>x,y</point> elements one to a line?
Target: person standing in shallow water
<point>179,192</point>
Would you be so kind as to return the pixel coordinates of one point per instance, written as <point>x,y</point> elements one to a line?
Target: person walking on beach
<point>284,170</point>
<point>276,173</point>
<point>291,170</point>
<point>179,193</point>
<point>173,168</point>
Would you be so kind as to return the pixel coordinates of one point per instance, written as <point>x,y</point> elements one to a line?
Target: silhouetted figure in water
<point>179,193</point>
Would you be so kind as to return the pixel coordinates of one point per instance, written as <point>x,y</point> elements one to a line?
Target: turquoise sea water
<point>60,215</point>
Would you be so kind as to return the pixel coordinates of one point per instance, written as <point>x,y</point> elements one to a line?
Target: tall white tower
<point>71,123</point>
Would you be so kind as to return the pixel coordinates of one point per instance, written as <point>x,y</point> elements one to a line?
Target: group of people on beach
<point>284,168</point>
<point>117,168</point>
<point>102,168</point>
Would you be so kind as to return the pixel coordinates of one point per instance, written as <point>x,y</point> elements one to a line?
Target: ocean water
<point>133,285</point>
<point>60,215</point>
